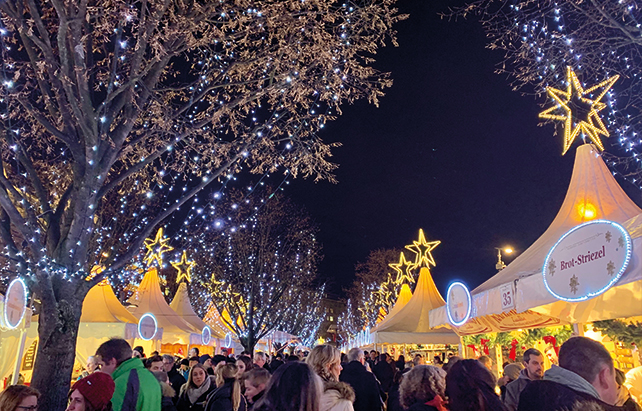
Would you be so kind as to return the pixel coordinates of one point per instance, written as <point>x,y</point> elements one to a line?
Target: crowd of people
<point>120,378</point>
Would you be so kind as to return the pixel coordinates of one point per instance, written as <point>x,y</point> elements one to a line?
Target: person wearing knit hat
<point>92,393</point>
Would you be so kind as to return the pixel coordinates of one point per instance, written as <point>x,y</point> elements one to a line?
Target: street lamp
<point>500,264</point>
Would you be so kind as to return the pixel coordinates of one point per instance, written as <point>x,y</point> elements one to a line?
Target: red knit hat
<point>97,388</point>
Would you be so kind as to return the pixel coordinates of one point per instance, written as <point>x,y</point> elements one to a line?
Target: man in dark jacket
<point>364,383</point>
<point>176,380</point>
<point>384,372</point>
<point>533,370</point>
<point>585,378</point>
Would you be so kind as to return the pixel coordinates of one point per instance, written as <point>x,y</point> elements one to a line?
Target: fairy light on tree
<point>599,40</point>
<point>259,269</point>
<point>116,114</point>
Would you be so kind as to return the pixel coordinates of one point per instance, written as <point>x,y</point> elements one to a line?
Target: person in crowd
<point>155,363</point>
<point>325,360</point>
<point>393,403</point>
<point>220,358</point>
<point>92,393</point>
<point>623,396</point>
<point>418,360</point>
<point>277,362</point>
<point>634,380</point>
<point>138,352</point>
<point>193,352</point>
<point>184,369</point>
<point>365,385</point>
<point>193,361</point>
<point>167,403</point>
<point>244,364</point>
<point>511,373</point>
<point>227,395</point>
<point>437,361</point>
<point>400,363</point>
<point>293,358</point>
<point>293,387</point>
<point>194,392</point>
<point>533,371</point>
<point>585,375</point>
<point>259,359</point>
<point>256,380</point>
<point>176,379</point>
<point>384,372</point>
<point>423,389</point>
<point>19,398</point>
<point>451,361</point>
<point>371,358</point>
<point>206,361</point>
<point>92,365</point>
<point>135,387</point>
<point>471,387</point>
<point>486,362</point>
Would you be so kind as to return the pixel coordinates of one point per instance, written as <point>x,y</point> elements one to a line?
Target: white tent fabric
<point>592,187</point>
<point>411,325</point>
<point>402,299</point>
<point>150,300</point>
<point>181,304</point>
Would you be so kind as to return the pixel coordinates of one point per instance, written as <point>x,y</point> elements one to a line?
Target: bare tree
<point>117,112</point>
<point>597,38</point>
<point>258,267</point>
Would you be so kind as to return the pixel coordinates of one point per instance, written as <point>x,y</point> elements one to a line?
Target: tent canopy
<point>404,296</point>
<point>102,306</point>
<point>411,323</point>
<point>182,306</point>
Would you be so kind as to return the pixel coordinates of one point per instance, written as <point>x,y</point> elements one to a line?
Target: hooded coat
<point>337,396</point>
<point>514,389</point>
<point>562,390</point>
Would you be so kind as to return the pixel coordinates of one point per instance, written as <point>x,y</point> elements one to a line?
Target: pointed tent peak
<point>102,306</point>
<point>427,290</point>
<point>402,299</point>
<point>213,319</point>
<point>593,193</point>
<point>182,306</point>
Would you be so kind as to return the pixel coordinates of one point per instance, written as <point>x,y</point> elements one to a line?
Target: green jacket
<point>146,388</point>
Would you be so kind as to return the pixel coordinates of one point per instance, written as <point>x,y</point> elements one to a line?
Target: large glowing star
<point>184,268</point>
<point>422,250</point>
<point>403,268</point>
<point>591,126</point>
<point>156,248</point>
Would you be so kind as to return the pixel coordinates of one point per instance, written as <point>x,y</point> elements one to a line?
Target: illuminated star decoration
<point>592,126</point>
<point>184,268</point>
<point>422,250</point>
<point>403,268</point>
<point>156,248</point>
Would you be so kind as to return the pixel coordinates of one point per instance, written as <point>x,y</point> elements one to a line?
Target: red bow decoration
<point>513,350</point>
<point>437,403</point>
<point>549,339</point>
<point>474,348</point>
<point>484,346</point>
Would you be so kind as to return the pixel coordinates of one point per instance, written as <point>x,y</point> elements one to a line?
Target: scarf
<point>195,393</point>
<point>438,403</point>
<point>571,380</point>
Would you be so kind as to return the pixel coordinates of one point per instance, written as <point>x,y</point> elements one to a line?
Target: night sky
<point>451,149</point>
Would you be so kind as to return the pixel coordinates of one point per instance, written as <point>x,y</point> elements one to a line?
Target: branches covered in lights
<point>261,276</point>
<point>116,113</point>
<point>598,39</point>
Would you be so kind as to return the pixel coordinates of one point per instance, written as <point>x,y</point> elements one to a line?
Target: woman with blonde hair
<point>227,396</point>
<point>325,360</point>
<point>19,398</point>
<point>194,392</point>
<point>423,388</point>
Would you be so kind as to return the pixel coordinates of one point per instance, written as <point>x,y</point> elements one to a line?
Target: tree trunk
<point>58,331</point>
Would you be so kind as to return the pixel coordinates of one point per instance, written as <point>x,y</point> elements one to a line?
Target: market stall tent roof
<point>402,299</point>
<point>102,306</point>
<point>181,304</point>
<point>411,323</point>
<point>593,193</point>
<point>149,299</point>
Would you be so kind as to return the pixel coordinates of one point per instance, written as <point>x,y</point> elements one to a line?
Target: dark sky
<point>451,149</point>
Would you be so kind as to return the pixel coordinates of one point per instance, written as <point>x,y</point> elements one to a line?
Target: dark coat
<point>394,403</point>
<point>167,404</point>
<point>421,407</point>
<point>275,364</point>
<point>385,374</point>
<point>546,395</point>
<point>365,385</point>
<point>176,380</point>
<point>514,389</point>
<point>221,399</point>
<point>183,403</point>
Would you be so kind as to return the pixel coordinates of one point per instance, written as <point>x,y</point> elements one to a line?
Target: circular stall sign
<point>206,335</point>
<point>228,340</point>
<point>15,303</point>
<point>458,304</point>
<point>147,326</point>
<point>587,260</point>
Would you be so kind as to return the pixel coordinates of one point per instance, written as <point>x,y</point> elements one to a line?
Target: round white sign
<point>147,326</point>
<point>15,303</point>
<point>587,260</point>
<point>458,304</point>
<point>228,340</point>
<point>206,335</point>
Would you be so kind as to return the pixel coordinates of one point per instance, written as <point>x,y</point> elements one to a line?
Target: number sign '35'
<point>587,260</point>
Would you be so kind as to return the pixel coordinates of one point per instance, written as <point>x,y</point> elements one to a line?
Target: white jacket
<point>337,396</point>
